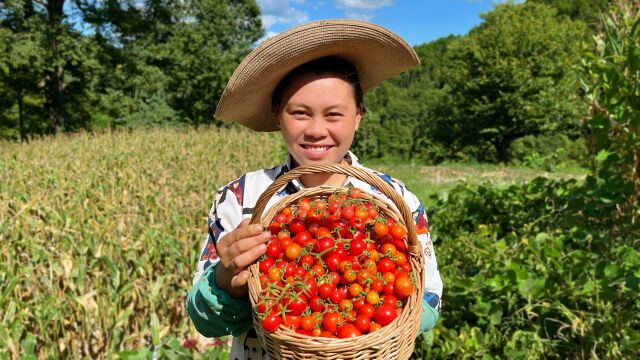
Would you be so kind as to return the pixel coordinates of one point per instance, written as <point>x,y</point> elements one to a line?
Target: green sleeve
<point>213,311</point>
<point>429,317</point>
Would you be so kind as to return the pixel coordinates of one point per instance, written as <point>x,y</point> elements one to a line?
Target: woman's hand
<point>237,250</point>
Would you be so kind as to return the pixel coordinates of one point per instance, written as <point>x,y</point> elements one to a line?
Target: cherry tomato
<point>374,327</point>
<point>296,225</point>
<point>373,298</point>
<point>302,238</point>
<point>316,304</point>
<point>323,244</point>
<point>403,286</point>
<point>273,249</point>
<point>307,322</point>
<point>362,323</point>
<point>318,269</point>
<point>292,251</point>
<point>275,274</point>
<point>348,330</point>
<point>356,247</point>
<point>377,285</point>
<point>361,213</point>
<point>281,218</point>
<point>285,242</point>
<point>386,265</point>
<point>397,231</point>
<point>345,305</point>
<point>347,212</point>
<point>332,320</point>
<point>355,290</point>
<point>271,323</point>
<point>265,265</point>
<point>325,290</point>
<point>367,310</point>
<point>349,276</point>
<point>381,229</point>
<point>384,314</point>
<point>306,261</point>
<point>355,193</point>
<point>292,321</point>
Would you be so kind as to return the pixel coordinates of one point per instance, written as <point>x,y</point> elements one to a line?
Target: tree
<point>403,113</point>
<point>585,10</point>
<point>172,56</point>
<point>512,77</point>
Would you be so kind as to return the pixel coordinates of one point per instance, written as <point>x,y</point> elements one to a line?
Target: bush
<point>549,152</point>
<point>530,271</point>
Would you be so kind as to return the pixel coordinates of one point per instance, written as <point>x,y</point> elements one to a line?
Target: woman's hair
<point>326,65</point>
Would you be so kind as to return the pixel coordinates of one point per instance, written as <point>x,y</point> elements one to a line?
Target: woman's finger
<point>240,279</point>
<point>242,231</point>
<point>241,261</point>
<point>246,244</point>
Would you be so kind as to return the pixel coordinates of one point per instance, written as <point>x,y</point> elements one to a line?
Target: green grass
<point>429,181</point>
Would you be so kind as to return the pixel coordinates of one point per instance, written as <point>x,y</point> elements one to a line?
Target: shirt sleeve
<point>213,311</point>
<point>432,296</point>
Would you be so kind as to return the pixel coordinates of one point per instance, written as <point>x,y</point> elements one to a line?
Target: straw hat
<point>376,52</point>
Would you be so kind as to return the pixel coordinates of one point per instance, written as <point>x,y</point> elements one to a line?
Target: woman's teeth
<point>317,148</point>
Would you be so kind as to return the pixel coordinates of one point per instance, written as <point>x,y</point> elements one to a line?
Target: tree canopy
<point>87,63</point>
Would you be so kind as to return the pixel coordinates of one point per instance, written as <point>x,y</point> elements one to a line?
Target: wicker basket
<point>394,341</point>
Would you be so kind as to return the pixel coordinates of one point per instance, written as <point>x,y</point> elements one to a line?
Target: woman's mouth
<point>316,148</point>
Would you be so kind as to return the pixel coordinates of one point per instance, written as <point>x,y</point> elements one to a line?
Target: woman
<point>307,83</point>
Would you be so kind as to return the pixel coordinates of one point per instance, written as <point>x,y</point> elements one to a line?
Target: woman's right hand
<point>237,250</point>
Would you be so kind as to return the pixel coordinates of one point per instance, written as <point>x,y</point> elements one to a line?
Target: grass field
<point>100,234</point>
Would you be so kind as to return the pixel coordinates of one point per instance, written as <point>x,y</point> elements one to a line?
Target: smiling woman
<point>318,108</point>
<point>308,83</point>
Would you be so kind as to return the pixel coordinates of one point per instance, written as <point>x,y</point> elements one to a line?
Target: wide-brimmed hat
<point>376,52</point>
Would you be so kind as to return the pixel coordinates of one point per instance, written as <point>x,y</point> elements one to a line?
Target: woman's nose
<point>316,128</point>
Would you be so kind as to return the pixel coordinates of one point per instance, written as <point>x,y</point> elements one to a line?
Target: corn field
<point>100,235</point>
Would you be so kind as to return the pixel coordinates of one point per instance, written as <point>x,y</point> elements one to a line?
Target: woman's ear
<point>359,113</point>
<point>276,119</point>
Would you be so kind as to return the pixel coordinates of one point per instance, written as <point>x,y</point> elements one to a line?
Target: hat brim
<point>376,52</point>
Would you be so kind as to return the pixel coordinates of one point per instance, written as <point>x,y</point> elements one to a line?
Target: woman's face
<point>318,118</point>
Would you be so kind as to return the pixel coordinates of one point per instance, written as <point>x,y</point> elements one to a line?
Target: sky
<point>417,21</point>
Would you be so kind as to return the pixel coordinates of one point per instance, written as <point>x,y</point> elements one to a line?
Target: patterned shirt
<point>215,313</point>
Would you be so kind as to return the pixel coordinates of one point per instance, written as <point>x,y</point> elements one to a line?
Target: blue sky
<point>417,21</point>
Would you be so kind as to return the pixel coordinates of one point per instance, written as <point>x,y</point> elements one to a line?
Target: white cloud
<point>281,12</point>
<point>361,9</point>
<point>363,4</point>
<point>268,34</point>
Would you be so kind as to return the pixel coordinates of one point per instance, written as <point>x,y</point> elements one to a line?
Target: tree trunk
<point>23,135</point>
<point>54,78</point>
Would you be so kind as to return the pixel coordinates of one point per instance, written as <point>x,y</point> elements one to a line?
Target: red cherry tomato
<point>348,330</point>
<point>271,323</point>
<point>384,314</point>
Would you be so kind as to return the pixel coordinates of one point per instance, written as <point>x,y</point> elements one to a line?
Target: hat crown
<point>376,52</point>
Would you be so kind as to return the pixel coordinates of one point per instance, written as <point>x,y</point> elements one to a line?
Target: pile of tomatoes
<point>334,267</point>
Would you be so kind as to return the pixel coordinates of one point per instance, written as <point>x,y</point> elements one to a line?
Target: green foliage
<point>587,11</point>
<point>86,64</point>
<point>512,78</point>
<point>402,113</point>
<point>533,271</point>
<point>610,78</point>
<point>549,152</point>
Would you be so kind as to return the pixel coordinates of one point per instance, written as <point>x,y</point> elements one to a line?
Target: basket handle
<point>356,172</point>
